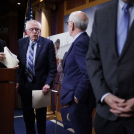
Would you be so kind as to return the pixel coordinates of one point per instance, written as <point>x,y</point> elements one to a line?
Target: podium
<point>7,91</point>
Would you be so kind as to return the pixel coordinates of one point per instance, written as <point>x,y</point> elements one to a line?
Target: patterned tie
<point>30,68</point>
<point>123,27</point>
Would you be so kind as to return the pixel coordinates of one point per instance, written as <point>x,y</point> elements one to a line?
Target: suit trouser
<point>28,112</point>
<point>119,126</point>
<point>81,117</point>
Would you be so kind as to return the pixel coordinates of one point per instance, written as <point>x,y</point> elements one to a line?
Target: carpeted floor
<point>19,126</point>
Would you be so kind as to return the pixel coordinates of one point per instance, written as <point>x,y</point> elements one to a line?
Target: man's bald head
<point>80,20</point>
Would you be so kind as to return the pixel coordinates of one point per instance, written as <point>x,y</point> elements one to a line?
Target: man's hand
<point>76,100</point>
<point>113,101</point>
<point>2,56</point>
<point>120,107</point>
<point>17,87</point>
<point>45,89</point>
<point>125,109</point>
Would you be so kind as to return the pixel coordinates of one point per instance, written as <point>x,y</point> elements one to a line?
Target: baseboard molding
<point>58,116</point>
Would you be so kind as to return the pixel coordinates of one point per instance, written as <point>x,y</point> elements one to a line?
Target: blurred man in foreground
<point>110,65</point>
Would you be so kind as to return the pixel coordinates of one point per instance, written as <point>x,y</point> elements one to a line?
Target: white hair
<point>27,23</point>
<point>81,24</point>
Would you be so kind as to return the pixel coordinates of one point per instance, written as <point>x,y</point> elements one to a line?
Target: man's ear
<point>26,32</point>
<point>72,26</point>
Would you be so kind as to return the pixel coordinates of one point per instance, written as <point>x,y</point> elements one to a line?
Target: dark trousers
<point>25,92</point>
<point>81,117</point>
<point>120,126</point>
<point>29,119</point>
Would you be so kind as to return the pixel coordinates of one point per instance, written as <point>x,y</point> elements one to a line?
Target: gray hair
<point>79,23</point>
<point>27,23</point>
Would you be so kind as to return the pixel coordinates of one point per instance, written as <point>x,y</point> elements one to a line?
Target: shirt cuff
<point>103,97</point>
<point>75,97</point>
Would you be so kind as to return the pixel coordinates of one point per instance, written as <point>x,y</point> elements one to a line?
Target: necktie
<point>30,68</point>
<point>123,27</point>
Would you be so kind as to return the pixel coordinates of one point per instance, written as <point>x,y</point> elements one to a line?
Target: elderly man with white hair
<point>76,90</point>
<point>37,69</point>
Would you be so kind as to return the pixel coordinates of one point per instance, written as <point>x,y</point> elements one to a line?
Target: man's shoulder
<point>2,41</point>
<point>23,39</point>
<point>82,41</point>
<point>84,34</point>
<point>107,6</point>
<point>83,37</point>
<point>46,42</point>
<point>44,39</point>
<point>2,44</point>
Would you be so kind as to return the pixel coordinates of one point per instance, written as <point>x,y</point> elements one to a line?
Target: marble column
<point>37,14</point>
<point>46,22</point>
<point>46,18</point>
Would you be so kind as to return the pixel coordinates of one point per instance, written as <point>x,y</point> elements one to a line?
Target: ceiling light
<point>18,3</point>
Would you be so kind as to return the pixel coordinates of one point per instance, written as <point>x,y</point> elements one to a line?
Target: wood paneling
<point>57,22</point>
<point>75,3</point>
<point>59,104</point>
<point>10,30</point>
<point>7,91</point>
<point>59,116</point>
<point>91,0</point>
<point>7,107</point>
<point>7,74</point>
<point>89,3</point>
<point>4,34</point>
<point>13,31</point>
<point>50,1</point>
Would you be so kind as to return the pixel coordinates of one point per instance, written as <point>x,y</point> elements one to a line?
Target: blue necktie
<point>123,27</point>
<point>30,68</point>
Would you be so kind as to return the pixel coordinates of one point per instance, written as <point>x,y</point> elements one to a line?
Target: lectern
<point>7,91</point>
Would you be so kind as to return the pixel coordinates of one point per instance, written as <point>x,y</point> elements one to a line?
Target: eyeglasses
<point>32,29</point>
<point>67,23</point>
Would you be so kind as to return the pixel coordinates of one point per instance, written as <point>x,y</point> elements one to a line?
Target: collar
<point>34,41</point>
<point>121,4</point>
<point>76,36</point>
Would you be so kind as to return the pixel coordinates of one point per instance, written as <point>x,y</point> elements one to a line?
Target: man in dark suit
<point>110,65</point>
<point>2,55</point>
<point>37,69</point>
<point>76,90</point>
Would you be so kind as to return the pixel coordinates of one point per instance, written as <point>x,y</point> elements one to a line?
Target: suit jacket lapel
<point>112,21</point>
<point>67,54</point>
<point>39,46</point>
<point>64,57</point>
<point>130,38</point>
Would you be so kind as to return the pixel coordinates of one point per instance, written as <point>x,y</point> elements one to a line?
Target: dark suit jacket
<point>109,72</point>
<point>45,61</point>
<point>63,61</point>
<point>76,82</point>
<point>2,45</point>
